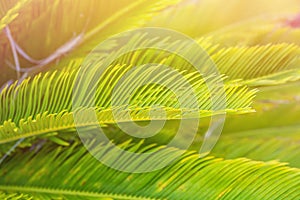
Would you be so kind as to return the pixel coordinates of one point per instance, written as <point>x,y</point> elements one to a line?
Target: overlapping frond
<point>261,62</point>
<point>142,48</point>
<point>257,65</point>
<point>265,144</point>
<point>44,104</point>
<point>188,177</point>
<point>272,132</point>
<point>248,50</point>
<point>276,106</point>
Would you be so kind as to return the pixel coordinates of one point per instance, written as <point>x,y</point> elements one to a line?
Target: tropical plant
<point>44,47</point>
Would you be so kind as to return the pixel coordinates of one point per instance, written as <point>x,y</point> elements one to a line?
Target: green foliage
<point>28,111</point>
<point>72,173</point>
<point>14,196</point>
<point>257,57</point>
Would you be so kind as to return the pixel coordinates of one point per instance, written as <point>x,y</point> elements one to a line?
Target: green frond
<point>271,133</point>
<point>44,104</point>
<point>260,65</point>
<point>177,84</point>
<point>276,106</point>
<point>148,55</point>
<point>43,175</point>
<point>265,144</point>
<point>14,196</point>
<point>283,77</point>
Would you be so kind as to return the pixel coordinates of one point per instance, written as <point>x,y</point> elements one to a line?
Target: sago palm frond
<point>265,144</point>
<point>72,173</point>
<point>44,104</point>
<point>66,90</point>
<point>15,196</point>
<point>258,65</point>
<point>261,64</point>
<point>272,132</point>
<point>278,106</point>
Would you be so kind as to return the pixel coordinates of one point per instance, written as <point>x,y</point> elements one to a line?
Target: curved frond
<point>265,144</point>
<point>271,133</point>
<point>142,55</point>
<point>276,106</point>
<point>188,177</point>
<point>258,62</point>
<point>44,104</point>
<point>258,65</point>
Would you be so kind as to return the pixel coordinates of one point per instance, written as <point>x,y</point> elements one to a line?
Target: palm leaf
<point>72,173</point>
<point>257,149</point>
<point>258,65</point>
<point>265,144</point>
<point>44,104</point>
<point>276,106</point>
<point>141,55</point>
<point>267,64</point>
<point>270,133</point>
<point>14,196</point>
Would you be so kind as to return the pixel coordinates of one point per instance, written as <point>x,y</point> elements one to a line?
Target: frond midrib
<point>32,189</point>
<point>106,121</point>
